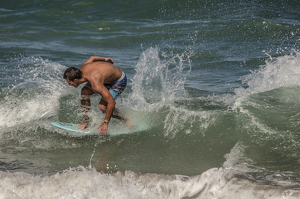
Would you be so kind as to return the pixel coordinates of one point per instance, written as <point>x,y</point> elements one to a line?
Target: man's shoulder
<point>93,66</point>
<point>95,71</point>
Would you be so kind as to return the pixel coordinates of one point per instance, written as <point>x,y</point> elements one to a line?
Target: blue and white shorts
<point>115,88</point>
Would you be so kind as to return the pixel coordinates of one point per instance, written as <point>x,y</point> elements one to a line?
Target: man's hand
<point>103,129</point>
<point>109,60</point>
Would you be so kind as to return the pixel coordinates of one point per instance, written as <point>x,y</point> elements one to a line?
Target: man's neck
<point>83,79</point>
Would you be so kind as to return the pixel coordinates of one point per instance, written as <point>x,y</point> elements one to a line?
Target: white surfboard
<point>112,130</point>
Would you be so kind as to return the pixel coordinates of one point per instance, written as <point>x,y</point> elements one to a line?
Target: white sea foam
<point>87,183</point>
<point>276,73</point>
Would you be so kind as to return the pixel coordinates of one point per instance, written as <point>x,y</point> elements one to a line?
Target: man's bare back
<point>104,72</point>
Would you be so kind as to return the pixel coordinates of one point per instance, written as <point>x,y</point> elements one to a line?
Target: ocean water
<point>217,82</point>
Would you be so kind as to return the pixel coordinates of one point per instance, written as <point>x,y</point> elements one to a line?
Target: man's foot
<point>83,125</point>
<point>128,123</point>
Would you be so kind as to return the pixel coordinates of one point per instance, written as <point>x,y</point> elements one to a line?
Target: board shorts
<point>115,88</point>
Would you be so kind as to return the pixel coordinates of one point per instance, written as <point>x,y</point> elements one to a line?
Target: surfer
<point>100,76</point>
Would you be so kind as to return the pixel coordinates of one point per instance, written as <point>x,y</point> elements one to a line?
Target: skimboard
<point>112,129</point>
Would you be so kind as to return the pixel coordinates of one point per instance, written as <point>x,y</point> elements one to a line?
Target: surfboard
<point>112,129</point>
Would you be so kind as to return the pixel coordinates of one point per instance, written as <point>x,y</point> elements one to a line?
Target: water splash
<point>34,94</point>
<point>159,79</point>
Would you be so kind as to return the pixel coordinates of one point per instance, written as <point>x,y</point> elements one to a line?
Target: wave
<point>83,182</point>
<point>234,131</point>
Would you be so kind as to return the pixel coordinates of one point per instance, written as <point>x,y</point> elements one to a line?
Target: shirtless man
<point>102,77</point>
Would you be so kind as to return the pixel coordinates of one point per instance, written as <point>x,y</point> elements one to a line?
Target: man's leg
<point>86,92</point>
<point>115,90</point>
<point>116,113</point>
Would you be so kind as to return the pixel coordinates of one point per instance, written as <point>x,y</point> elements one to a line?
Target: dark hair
<point>72,73</point>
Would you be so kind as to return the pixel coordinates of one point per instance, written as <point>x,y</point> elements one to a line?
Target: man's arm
<point>97,58</point>
<point>107,97</point>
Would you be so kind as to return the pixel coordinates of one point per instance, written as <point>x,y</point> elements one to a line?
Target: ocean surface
<point>216,81</point>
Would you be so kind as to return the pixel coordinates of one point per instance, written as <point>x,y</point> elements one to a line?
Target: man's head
<point>72,75</point>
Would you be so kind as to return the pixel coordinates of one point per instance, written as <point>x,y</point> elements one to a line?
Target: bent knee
<point>86,91</point>
<point>102,108</point>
